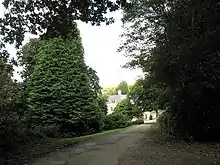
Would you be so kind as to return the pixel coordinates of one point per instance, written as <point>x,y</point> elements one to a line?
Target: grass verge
<point>70,141</point>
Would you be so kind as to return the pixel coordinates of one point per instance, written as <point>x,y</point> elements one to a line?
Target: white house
<point>113,100</point>
<point>153,114</point>
<point>148,114</point>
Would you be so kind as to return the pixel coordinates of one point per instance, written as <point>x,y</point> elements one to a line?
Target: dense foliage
<point>60,95</point>
<point>102,104</point>
<point>175,42</point>
<point>113,90</point>
<point>116,120</point>
<point>94,81</point>
<point>27,57</point>
<point>123,86</point>
<point>107,91</point>
<point>97,90</point>
<point>125,107</point>
<point>59,91</point>
<point>11,110</point>
<point>148,95</point>
<point>56,17</point>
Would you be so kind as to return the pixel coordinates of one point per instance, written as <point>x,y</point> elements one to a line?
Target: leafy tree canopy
<point>149,95</point>
<point>28,56</point>
<point>11,108</point>
<point>125,107</point>
<point>55,17</point>
<point>109,91</point>
<point>175,42</point>
<point>123,86</point>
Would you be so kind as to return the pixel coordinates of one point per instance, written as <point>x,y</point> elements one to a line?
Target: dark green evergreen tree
<point>125,107</point>
<point>59,89</point>
<point>94,81</point>
<point>97,90</point>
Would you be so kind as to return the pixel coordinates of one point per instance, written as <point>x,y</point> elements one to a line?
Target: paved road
<point>105,150</point>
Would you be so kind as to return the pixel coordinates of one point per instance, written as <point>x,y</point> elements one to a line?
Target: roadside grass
<point>71,141</point>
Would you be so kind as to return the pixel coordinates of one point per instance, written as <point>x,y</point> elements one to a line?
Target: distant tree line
<point>123,86</point>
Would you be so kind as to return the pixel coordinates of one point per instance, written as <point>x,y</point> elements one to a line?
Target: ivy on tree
<point>59,91</point>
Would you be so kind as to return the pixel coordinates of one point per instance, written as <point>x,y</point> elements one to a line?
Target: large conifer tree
<point>59,90</point>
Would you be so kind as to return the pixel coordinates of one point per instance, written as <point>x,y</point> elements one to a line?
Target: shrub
<point>116,120</point>
<point>47,130</point>
<point>125,107</point>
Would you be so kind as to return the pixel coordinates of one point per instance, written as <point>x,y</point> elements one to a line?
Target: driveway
<point>104,150</point>
<point>137,145</point>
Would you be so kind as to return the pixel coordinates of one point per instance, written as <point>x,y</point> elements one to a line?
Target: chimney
<point>119,92</point>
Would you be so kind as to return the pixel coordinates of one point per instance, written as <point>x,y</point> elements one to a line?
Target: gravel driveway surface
<point>137,145</point>
<point>104,150</point>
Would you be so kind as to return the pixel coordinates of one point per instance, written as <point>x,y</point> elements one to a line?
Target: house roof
<point>116,97</point>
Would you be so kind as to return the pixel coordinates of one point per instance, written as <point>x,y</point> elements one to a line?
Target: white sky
<point>100,45</point>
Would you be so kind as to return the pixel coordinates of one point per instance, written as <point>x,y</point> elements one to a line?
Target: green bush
<point>163,121</point>
<point>139,121</point>
<point>125,107</point>
<point>116,120</point>
<point>47,130</point>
